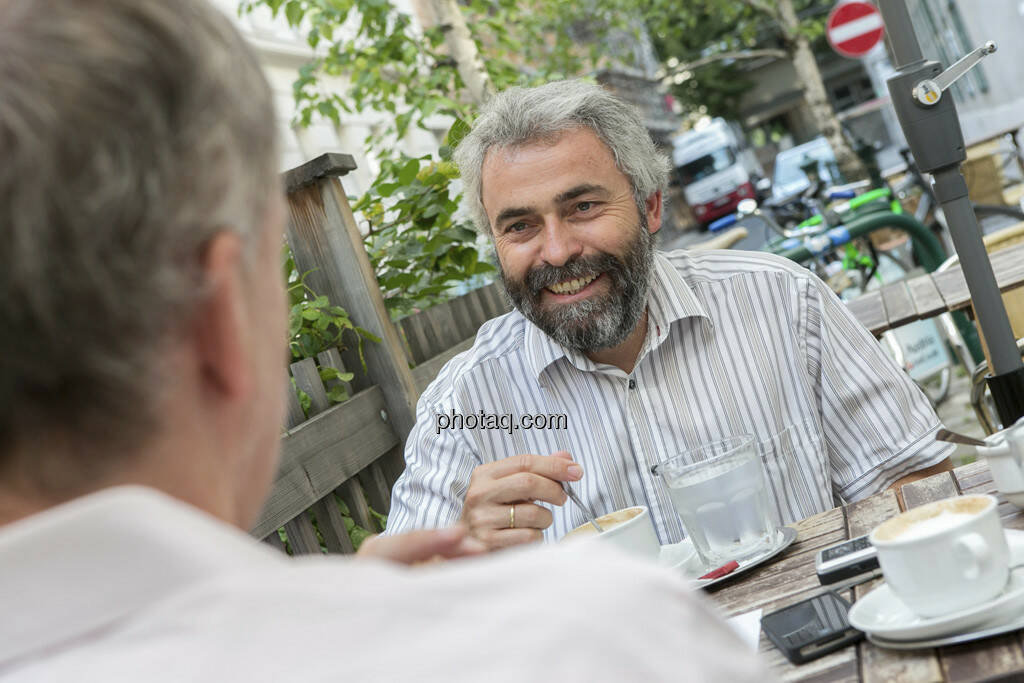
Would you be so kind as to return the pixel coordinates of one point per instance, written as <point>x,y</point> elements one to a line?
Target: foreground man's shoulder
<point>542,602</point>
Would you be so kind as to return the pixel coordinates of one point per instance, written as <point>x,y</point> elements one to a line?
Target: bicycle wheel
<point>994,217</point>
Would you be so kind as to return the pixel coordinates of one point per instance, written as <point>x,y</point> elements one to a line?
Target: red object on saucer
<point>728,567</point>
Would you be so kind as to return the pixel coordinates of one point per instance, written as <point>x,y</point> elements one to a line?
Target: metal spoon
<point>953,437</point>
<point>579,503</point>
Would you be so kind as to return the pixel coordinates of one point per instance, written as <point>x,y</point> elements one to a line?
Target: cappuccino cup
<point>944,556</point>
<point>629,529</point>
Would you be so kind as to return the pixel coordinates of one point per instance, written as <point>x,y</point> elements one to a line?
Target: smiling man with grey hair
<point>639,355</point>
<point>142,352</point>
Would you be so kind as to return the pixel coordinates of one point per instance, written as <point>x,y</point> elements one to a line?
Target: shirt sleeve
<point>438,464</point>
<point>879,426</point>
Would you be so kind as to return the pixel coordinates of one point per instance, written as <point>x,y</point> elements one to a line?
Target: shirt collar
<point>82,566</point>
<point>670,299</point>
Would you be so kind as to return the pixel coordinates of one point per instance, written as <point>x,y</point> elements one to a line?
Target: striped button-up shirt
<point>738,343</point>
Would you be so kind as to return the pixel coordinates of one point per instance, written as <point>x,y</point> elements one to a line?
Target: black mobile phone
<point>811,628</point>
<point>845,560</point>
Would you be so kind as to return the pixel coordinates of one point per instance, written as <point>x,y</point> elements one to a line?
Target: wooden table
<point>929,295</point>
<point>791,578</point>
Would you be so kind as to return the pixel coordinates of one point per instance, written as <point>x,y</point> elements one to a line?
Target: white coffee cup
<point>944,556</point>
<point>1005,457</point>
<point>630,529</point>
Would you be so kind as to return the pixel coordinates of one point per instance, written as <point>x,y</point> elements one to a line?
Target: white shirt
<point>129,585</point>
<point>738,343</point>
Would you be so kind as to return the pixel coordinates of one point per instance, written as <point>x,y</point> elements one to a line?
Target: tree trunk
<point>814,92</point>
<point>461,48</point>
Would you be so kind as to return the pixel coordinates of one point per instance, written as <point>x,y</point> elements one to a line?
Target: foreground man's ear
<point>221,319</point>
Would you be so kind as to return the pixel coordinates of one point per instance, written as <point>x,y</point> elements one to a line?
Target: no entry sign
<point>854,28</point>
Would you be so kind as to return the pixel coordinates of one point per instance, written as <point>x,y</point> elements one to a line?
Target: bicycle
<point>991,217</point>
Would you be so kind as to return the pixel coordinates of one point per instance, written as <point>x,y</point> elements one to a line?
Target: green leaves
<point>294,11</point>
<point>418,245</point>
<point>316,325</point>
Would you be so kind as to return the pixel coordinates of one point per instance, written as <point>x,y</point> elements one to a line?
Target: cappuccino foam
<point>609,521</point>
<point>921,521</point>
<point>940,522</point>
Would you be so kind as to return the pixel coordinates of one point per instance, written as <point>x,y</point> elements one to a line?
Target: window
<point>702,167</point>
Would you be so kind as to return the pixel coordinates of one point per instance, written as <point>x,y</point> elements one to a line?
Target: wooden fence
<point>351,453</point>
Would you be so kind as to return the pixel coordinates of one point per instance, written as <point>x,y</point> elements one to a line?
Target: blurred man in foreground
<point>142,327</point>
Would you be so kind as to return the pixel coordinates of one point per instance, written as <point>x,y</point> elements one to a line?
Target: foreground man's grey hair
<point>125,149</point>
<point>519,116</point>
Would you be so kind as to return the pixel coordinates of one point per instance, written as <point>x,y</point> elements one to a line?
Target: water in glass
<point>720,494</point>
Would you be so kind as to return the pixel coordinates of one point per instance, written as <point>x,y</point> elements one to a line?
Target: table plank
<point>983,659</point>
<point>1007,264</point>
<point>927,300</point>
<point>972,476</point>
<point>935,487</point>
<point>929,295</point>
<point>870,311</point>
<point>953,288</point>
<point>899,305</point>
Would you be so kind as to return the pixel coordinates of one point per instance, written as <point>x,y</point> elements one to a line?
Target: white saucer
<point>677,555</point>
<point>880,613</point>
<point>683,557</point>
<point>883,615</point>
<point>1010,622</point>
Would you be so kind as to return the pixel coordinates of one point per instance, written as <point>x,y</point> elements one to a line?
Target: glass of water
<point>720,494</point>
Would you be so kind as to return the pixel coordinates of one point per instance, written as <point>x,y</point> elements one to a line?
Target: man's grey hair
<point>521,116</point>
<point>131,133</point>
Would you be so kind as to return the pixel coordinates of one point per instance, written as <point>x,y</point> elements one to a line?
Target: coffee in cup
<point>944,556</point>
<point>629,529</point>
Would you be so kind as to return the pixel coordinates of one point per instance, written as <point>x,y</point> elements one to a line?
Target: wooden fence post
<point>324,236</point>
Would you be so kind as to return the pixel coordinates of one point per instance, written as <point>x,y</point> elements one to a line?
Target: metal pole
<point>932,128</point>
<point>899,32</point>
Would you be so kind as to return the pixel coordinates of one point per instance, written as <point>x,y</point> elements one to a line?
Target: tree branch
<point>763,7</point>
<point>741,54</point>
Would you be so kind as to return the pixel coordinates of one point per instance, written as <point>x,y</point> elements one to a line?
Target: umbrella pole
<point>932,127</point>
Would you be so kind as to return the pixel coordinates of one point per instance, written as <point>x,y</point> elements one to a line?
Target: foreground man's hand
<point>500,507</point>
<point>423,545</point>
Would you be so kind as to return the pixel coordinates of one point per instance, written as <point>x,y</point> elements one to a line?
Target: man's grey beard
<point>600,321</point>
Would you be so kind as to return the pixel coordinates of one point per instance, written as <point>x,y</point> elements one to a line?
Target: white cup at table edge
<point>954,568</point>
<point>635,536</point>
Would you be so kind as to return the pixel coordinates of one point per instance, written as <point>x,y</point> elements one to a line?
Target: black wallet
<point>809,629</point>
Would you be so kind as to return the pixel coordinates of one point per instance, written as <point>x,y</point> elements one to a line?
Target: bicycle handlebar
<point>723,222</point>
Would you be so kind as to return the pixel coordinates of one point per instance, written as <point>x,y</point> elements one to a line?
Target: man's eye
<point>584,206</point>
<point>516,227</point>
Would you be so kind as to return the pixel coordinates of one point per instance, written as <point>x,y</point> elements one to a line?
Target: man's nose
<point>561,242</point>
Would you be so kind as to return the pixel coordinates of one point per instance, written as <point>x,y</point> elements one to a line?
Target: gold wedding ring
<point>511,516</point>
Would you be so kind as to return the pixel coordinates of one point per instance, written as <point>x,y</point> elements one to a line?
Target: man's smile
<point>569,289</point>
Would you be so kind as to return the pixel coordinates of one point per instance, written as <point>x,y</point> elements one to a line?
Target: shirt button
<point>632,383</point>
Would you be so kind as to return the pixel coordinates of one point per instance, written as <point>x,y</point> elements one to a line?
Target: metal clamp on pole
<point>932,128</point>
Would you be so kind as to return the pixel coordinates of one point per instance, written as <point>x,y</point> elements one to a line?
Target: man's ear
<point>653,207</point>
<point>219,325</point>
